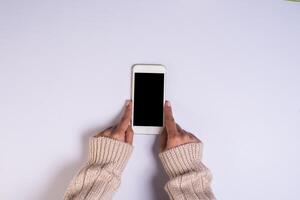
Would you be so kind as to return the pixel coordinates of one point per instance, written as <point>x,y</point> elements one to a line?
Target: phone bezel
<point>147,68</point>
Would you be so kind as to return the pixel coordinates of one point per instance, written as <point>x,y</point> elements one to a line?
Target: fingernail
<point>127,102</point>
<point>168,103</point>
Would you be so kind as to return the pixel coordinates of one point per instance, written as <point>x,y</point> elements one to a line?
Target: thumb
<point>163,140</point>
<point>129,135</point>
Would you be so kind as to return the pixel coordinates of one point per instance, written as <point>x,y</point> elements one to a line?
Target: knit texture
<point>111,154</point>
<point>101,176</point>
<point>189,178</point>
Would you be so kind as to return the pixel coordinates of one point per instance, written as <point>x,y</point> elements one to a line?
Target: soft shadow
<point>58,185</point>
<point>160,178</point>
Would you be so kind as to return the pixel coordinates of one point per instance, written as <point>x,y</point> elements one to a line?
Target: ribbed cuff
<point>109,153</point>
<point>182,159</point>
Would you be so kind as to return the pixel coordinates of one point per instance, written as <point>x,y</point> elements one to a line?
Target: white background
<point>233,80</point>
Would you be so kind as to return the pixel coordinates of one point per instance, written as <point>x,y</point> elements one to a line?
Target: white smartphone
<point>148,97</point>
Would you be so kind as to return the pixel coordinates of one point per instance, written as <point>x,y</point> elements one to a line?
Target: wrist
<point>109,153</point>
<point>182,159</point>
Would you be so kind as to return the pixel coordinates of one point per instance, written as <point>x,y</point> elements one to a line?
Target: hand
<point>173,135</point>
<point>122,131</point>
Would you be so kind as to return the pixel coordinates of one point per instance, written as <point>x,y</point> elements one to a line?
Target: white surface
<point>233,79</point>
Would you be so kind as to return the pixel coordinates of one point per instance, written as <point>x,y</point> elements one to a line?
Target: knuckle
<point>117,132</point>
<point>172,119</point>
<point>193,137</point>
<point>105,132</point>
<point>186,137</point>
<point>116,136</point>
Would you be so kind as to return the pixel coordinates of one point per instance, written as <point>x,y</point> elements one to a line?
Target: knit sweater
<point>101,177</point>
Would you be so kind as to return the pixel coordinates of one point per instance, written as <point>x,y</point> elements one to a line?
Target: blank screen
<point>148,99</point>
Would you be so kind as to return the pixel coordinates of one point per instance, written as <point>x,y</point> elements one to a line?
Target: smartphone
<point>148,97</point>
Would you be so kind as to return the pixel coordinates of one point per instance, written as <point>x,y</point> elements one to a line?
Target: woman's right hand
<point>173,135</point>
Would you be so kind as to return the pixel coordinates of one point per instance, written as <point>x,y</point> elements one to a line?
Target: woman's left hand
<point>122,131</point>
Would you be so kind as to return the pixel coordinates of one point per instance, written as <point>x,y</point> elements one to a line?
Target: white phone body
<point>147,68</point>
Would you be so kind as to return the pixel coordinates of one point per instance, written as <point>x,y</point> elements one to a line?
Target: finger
<point>129,135</point>
<point>179,129</point>
<point>163,140</point>
<point>169,119</point>
<point>106,133</point>
<point>195,138</point>
<point>125,121</point>
<point>192,136</point>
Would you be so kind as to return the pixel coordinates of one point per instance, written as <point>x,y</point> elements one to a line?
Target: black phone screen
<point>148,99</point>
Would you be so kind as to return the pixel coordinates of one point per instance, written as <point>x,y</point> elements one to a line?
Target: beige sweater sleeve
<point>189,178</point>
<point>101,176</point>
